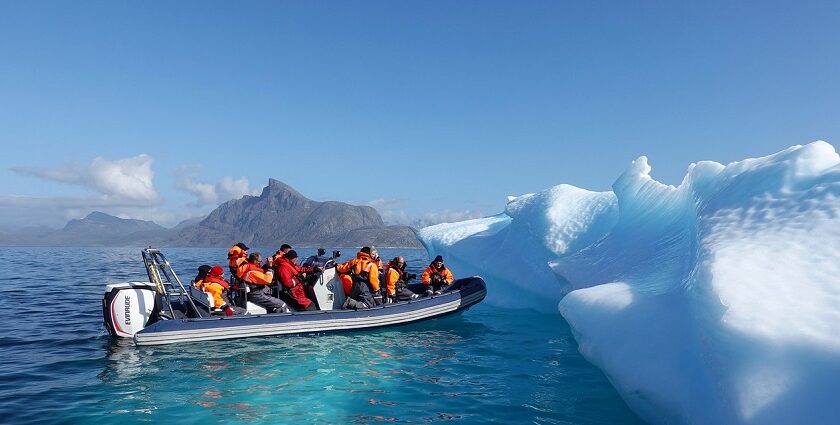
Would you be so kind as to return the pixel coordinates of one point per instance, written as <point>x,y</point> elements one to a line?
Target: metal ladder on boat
<point>169,286</point>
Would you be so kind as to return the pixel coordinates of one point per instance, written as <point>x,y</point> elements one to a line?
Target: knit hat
<point>217,271</point>
<point>438,258</point>
<point>202,271</point>
<point>365,249</point>
<point>291,255</point>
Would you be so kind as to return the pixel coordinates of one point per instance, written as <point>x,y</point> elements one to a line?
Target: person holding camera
<point>258,280</point>
<point>396,281</point>
<point>436,277</point>
<point>289,273</point>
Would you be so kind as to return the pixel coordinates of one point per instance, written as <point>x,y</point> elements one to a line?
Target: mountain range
<point>280,214</point>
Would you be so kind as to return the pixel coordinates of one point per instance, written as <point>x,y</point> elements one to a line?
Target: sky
<point>427,110</point>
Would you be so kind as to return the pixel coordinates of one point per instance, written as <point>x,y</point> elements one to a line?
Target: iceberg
<point>713,302</point>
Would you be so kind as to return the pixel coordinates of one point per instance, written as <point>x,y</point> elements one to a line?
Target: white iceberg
<point>717,301</point>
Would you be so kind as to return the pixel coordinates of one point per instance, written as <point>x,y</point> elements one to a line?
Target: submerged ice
<point>715,301</point>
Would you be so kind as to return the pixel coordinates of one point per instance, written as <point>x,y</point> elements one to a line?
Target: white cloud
<point>20,211</point>
<point>128,181</point>
<point>228,188</point>
<point>390,210</point>
<point>124,188</point>
<point>121,185</point>
<point>211,193</point>
<point>392,213</point>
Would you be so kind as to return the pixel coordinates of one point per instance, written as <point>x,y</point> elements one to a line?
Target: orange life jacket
<point>253,274</point>
<point>360,268</point>
<point>432,271</point>
<point>391,279</point>
<point>214,279</point>
<point>215,288</point>
<point>235,256</point>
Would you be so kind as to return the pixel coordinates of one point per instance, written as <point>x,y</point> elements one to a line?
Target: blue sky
<point>427,110</point>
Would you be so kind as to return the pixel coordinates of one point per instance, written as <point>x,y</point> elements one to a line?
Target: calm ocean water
<point>58,364</point>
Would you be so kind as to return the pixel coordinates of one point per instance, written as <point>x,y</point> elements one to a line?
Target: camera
<point>409,276</point>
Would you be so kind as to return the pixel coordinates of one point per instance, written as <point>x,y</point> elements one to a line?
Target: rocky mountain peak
<point>282,215</point>
<point>276,187</point>
<point>283,196</point>
<point>102,217</point>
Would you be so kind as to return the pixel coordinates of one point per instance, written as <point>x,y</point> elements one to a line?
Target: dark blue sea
<point>58,364</point>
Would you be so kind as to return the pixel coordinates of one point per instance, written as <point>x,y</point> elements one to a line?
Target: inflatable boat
<point>164,310</point>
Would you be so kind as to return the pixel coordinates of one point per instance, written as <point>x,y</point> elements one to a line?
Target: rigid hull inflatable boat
<point>165,311</point>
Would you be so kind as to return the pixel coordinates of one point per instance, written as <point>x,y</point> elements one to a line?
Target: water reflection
<point>331,376</point>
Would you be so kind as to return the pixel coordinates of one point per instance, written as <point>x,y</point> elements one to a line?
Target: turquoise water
<point>58,365</point>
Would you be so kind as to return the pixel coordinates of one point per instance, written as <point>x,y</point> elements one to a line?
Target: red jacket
<point>287,272</point>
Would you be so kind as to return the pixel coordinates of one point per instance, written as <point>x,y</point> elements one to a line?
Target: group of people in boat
<point>280,284</point>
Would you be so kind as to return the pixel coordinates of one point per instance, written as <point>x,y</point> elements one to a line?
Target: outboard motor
<point>129,307</point>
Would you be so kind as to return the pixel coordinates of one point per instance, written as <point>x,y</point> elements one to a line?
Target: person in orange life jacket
<point>246,266</point>
<point>237,255</point>
<point>203,270</point>
<point>359,276</point>
<point>215,285</point>
<point>201,281</point>
<point>343,270</point>
<point>436,277</point>
<point>396,281</point>
<point>258,281</point>
<point>289,276</point>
